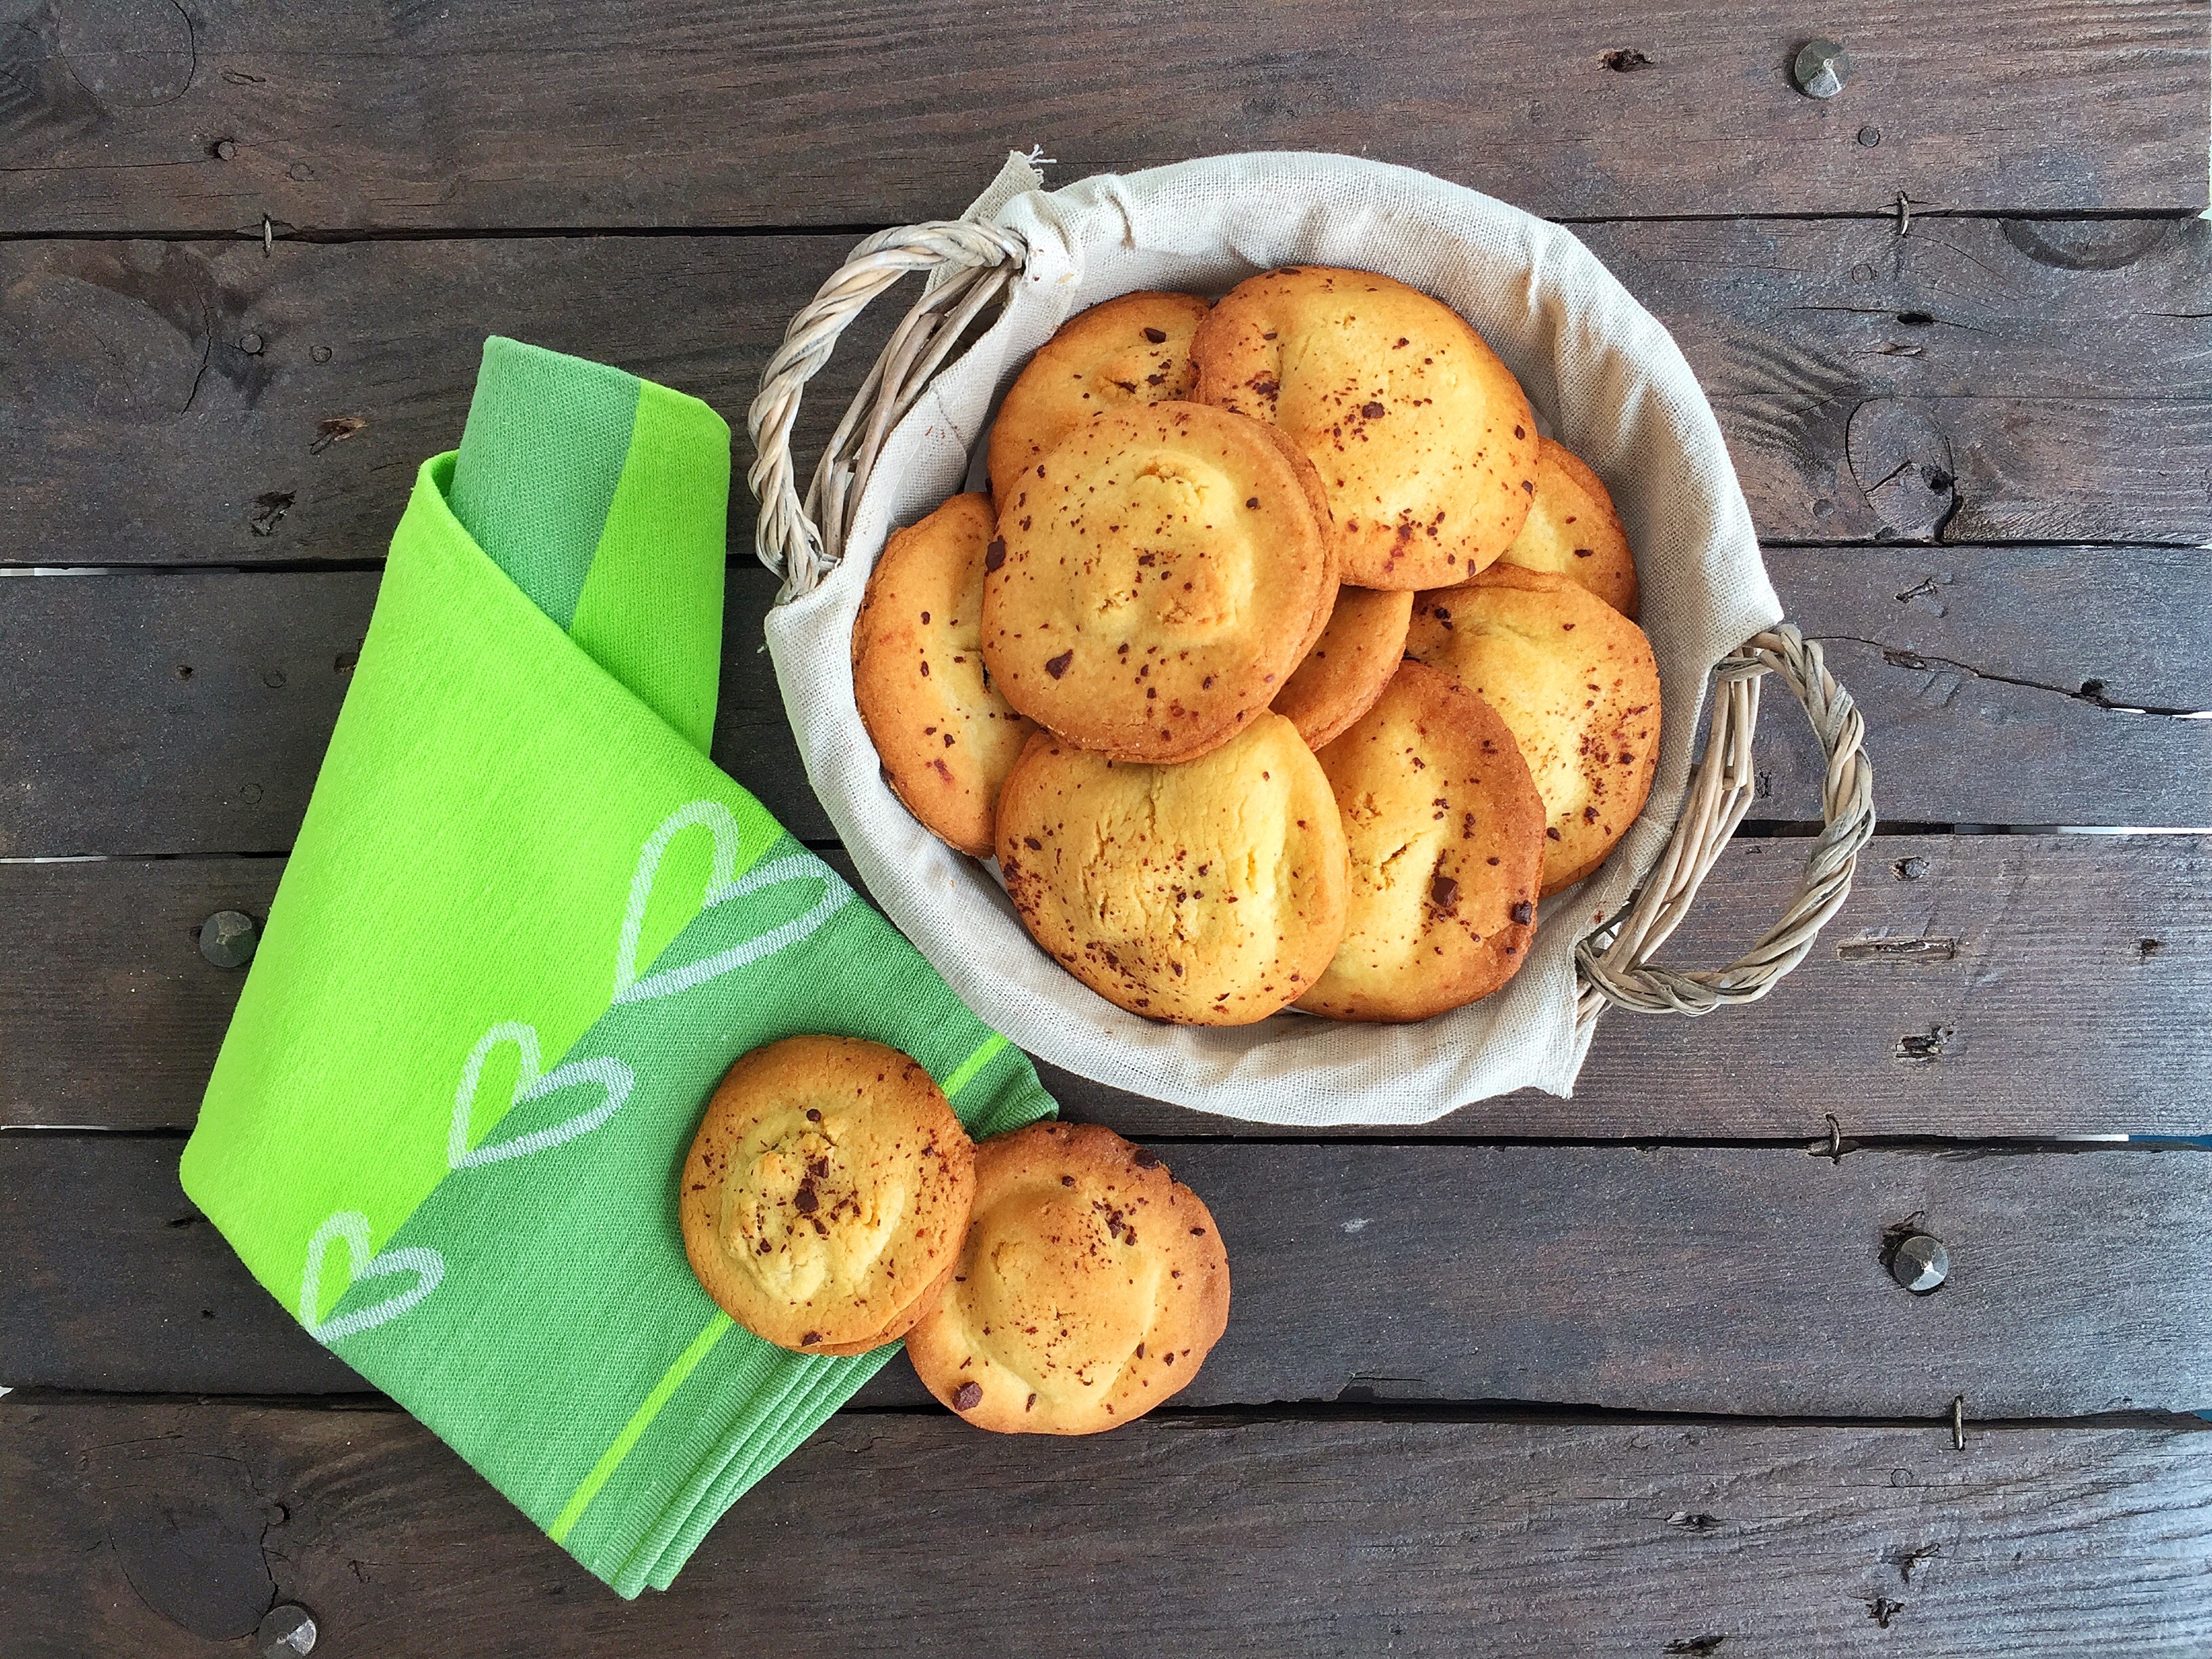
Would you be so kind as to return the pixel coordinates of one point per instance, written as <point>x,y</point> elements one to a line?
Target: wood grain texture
<point>1972,986</point>
<point>1719,1280</point>
<point>791,113</point>
<point>917,1535</point>
<point>2056,391</point>
<point>187,713</point>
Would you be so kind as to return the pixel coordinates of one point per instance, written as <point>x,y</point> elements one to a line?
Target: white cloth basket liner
<point>1605,378</point>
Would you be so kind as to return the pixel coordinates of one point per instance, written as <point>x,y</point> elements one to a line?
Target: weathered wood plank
<point>188,712</point>
<point>2056,391</point>
<point>1721,1280</point>
<point>143,1527</point>
<point>1972,986</point>
<point>799,114</point>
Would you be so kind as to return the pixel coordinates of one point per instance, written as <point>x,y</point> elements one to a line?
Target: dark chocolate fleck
<point>1057,665</point>
<point>1524,911</point>
<point>1156,335</point>
<point>967,1396</point>
<point>1147,1158</point>
<point>1444,892</point>
<point>995,554</point>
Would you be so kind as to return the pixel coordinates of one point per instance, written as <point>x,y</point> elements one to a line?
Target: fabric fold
<point>526,926</point>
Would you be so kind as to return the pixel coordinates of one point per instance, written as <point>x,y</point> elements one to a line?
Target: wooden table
<point>1623,1374</point>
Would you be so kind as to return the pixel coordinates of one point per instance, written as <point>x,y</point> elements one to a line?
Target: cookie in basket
<point>826,1194</point>
<point>1446,836</point>
<point>1209,893</point>
<point>1156,578</point>
<point>1576,682</point>
<point>1092,1287</point>
<point>1424,441</point>
<point>1346,668</point>
<point>1573,531</point>
<point>1132,350</point>
<point>946,738</point>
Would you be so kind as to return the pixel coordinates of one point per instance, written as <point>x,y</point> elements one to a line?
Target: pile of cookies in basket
<point>1054,1280</point>
<point>1285,664</point>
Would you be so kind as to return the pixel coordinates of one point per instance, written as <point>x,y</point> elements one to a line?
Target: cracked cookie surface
<point>1091,1287</point>
<point>1209,893</point>
<point>1425,442</point>
<point>1156,579</point>
<point>826,1194</point>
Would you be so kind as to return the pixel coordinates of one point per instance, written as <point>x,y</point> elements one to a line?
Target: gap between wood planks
<point>1470,1412</point>
<point>282,231</point>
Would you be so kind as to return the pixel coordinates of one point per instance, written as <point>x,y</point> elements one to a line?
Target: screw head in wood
<point>225,150</point>
<point>1820,69</point>
<point>286,1630</point>
<point>250,343</point>
<point>1921,1264</point>
<point>228,939</point>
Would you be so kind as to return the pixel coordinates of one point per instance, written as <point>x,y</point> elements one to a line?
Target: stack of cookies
<point>1285,664</point>
<point>1054,1280</point>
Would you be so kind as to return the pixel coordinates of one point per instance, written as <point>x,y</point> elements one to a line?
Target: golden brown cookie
<point>1132,349</point>
<point>1156,579</point>
<point>1573,531</point>
<point>826,1191</point>
<point>1425,442</point>
<point>946,739</point>
<point>1212,893</point>
<point>1576,682</point>
<point>1346,668</point>
<point>1092,1287</point>
<point>1446,836</point>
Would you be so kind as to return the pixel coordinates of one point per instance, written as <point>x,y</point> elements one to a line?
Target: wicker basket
<point>969,268</point>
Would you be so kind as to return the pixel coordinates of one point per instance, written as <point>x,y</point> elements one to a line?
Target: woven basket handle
<point>969,264</point>
<point>1611,963</point>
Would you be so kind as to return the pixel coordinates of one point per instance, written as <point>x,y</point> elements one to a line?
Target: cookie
<point>825,1194</point>
<point>1573,531</point>
<point>1134,349</point>
<point>1348,665</point>
<point>1156,577</point>
<point>946,738</point>
<point>1092,1287</point>
<point>1446,836</point>
<point>1425,442</point>
<point>1576,682</point>
<point>1211,893</point>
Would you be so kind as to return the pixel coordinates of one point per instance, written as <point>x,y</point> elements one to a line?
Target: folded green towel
<point>525,928</point>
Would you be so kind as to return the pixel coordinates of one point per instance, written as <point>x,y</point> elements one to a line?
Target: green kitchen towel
<point>526,927</point>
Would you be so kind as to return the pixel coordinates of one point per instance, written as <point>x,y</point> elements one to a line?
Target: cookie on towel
<point>1346,668</point>
<point>1425,442</point>
<point>1092,1287</point>
<point>825,1194</point>
<point>1573,531</point>
<point>1132,350</point>
<point>1156,577</point>
<point>1210,893</point>
<point>1576,682</point>
<point>946,739</point>
<point>1446,836</point>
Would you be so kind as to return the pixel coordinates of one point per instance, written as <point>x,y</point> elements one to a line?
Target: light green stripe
<point>965,1073</point>
<point>641,1419</point>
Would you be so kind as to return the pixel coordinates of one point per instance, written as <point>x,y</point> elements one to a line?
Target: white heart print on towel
<point>426,1266</point>
<point>615,1079</point>
<point>722,886</point>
